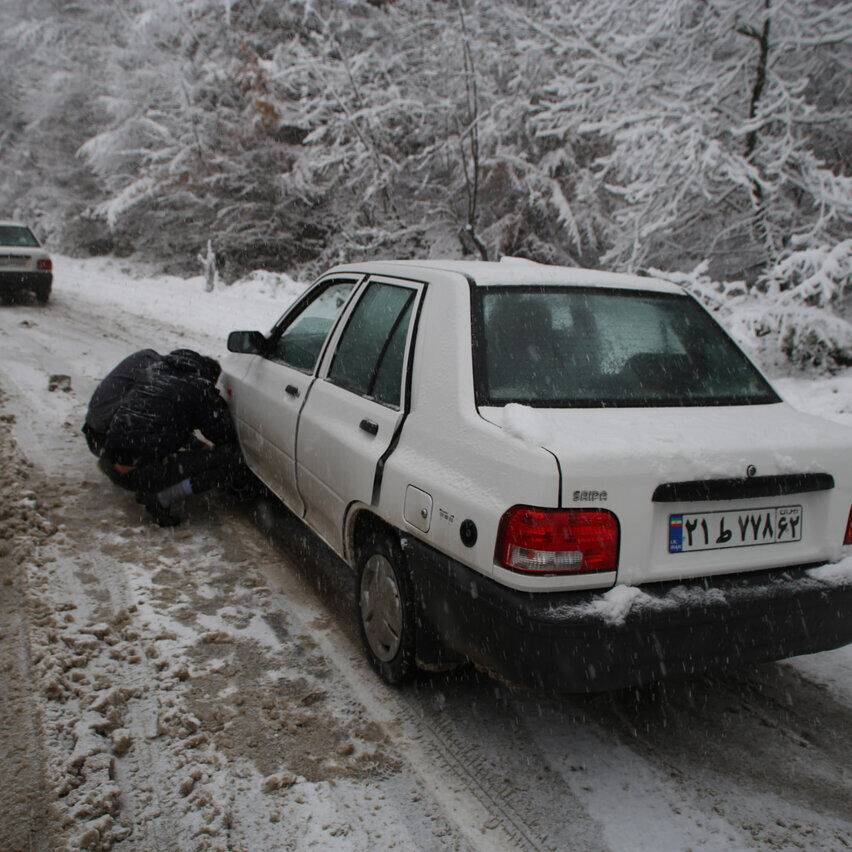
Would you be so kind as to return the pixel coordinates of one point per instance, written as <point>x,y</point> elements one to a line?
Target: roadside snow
<point>254,302</point>
<point>829,397</point>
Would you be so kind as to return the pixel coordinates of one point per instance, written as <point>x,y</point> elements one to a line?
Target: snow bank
<point>796,313</point>
<point>274,285</point>
<point>826,397</point>
<point>253,302</point>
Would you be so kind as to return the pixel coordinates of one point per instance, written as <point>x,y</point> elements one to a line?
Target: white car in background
<point>24,264</point>
<point>574,479</point>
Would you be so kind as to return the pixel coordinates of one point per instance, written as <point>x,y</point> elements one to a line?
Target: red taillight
<point>44,264</point>
<point>847,539</point>
<point>557,541</point>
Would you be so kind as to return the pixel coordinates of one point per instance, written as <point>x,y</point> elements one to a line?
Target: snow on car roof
<point>516,271</point>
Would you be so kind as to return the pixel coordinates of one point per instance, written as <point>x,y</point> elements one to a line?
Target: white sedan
<point>24,264</point>
<point>572,478</point>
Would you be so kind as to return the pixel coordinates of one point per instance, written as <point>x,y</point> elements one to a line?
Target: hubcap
<point>381,608</point>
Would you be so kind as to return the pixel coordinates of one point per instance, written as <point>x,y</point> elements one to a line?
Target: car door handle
<point>369,426</point>
<point>292,390</point>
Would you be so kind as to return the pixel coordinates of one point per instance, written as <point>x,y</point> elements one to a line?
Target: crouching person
<point>105,402</point>
<point>151,443</point>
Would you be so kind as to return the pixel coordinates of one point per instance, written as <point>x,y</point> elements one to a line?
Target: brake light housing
<point>847,539</point>
<point>532,540</point>
<point>44,264</point>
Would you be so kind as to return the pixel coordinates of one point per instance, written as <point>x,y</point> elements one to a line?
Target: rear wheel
<point>42,294</point>
<point>386,607</point>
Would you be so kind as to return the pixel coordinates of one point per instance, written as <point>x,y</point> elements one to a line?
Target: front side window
<point>594,347</point>
<point>300,343</point>
<point>17,236</point>
<point>370,356</point>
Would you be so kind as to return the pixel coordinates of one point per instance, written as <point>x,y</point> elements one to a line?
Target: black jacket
<point>170,400</point>
<point>109,393</point>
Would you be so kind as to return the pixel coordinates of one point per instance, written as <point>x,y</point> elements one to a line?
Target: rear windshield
<point>15,235</point>
<point>561,347</point>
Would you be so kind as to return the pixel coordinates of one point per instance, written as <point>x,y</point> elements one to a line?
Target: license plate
<point>7,261</point>
<point>735,528</point>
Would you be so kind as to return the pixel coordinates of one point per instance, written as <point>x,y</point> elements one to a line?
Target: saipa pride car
<point>574,479</point>
<point>24,264</point>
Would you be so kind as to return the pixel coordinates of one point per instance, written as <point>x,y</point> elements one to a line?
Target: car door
<point>354,409</point>
<point>268,396</point>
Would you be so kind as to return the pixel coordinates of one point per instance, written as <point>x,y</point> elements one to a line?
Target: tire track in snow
<point>453,772</point>
<point>726,756</point>
<point>469,765</point>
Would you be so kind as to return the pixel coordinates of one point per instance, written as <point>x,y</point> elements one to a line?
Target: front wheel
<point>386,608</point>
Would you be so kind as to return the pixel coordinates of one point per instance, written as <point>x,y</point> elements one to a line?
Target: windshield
<point>17,236</point>
<point>590,347</point>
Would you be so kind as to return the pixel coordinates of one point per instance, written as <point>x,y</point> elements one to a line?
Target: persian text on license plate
<point>735,528</point>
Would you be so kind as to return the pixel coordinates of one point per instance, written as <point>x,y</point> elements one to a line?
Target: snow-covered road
<point>203,687</point>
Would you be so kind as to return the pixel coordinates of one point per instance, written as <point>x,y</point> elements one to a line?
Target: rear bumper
<point>16,281</point>
<point>595,641</point>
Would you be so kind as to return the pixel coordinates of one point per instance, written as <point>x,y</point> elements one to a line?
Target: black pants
<point>206,468</point>
<point>94,439</point>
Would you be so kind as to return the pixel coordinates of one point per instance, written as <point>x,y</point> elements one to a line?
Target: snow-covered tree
<point>193,148</point>
<point>418,123</point>
<point>294,133</point>
<point>707,116</point>
<point>51,75</point>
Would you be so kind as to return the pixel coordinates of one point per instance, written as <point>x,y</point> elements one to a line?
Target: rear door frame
<point>334,537</point>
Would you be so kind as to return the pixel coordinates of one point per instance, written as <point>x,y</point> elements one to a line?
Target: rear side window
<point>300,343</point>
<point>370,356</point>
<point>17,237</point>
<point>593,347</point>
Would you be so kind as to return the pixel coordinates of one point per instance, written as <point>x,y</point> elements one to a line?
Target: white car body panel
<point>469,467</point>
<point>269,443</point>
<point>337,458</point>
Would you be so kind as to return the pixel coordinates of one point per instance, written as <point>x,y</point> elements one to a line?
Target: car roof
<point>517,271</point>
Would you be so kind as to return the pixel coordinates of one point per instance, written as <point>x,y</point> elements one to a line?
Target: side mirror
<point>247,343</point>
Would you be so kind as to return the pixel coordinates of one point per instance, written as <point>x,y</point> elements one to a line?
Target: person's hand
<point>208,445</point>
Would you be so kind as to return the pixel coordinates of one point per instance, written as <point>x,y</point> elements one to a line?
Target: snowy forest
<point>706,140</point>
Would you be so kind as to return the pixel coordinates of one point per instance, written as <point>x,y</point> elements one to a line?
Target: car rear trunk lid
<point>744,471</point>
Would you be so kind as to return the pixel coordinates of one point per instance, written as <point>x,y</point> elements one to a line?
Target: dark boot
<point>165,516</point>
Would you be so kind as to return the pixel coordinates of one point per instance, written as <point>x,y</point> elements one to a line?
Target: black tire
<point>380,560</point>
<point>42,295</point>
